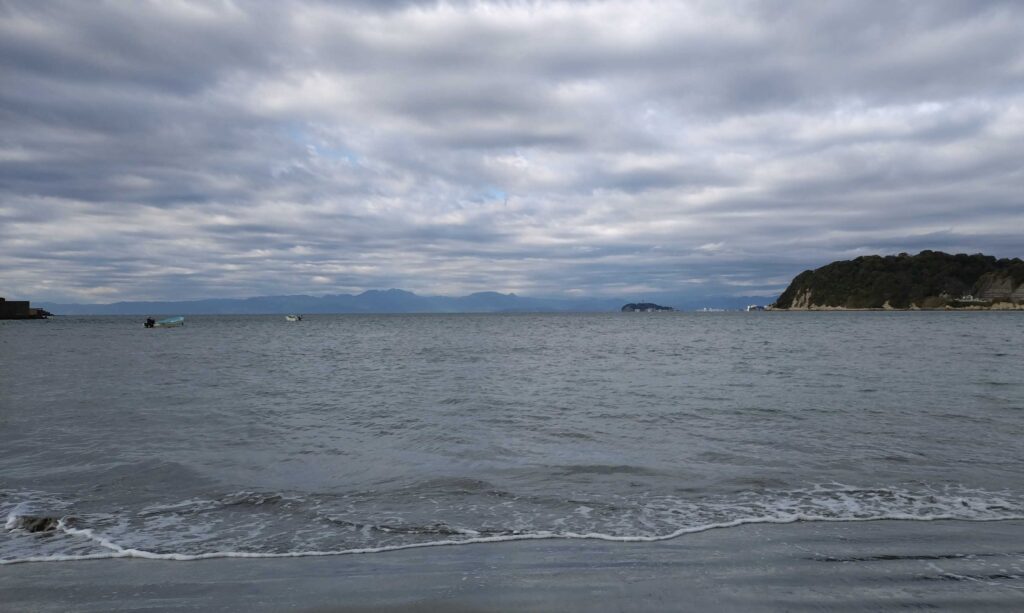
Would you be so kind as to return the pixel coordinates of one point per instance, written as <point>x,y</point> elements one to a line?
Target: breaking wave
<point>276,525</point>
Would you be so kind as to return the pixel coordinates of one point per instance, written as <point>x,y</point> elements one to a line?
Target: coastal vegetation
<point>644,307</point>
<point>928,280</point>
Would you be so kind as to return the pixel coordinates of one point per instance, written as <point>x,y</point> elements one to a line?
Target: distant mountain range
<point>373,301</point>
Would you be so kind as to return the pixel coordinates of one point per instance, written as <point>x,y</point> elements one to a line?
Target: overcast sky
<point>225,149</point>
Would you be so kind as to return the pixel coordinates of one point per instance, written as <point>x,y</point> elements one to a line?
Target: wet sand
<point>877,565</point>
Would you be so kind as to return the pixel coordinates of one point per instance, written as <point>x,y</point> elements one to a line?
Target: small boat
<point>293,317</point>
<point>170,322</point>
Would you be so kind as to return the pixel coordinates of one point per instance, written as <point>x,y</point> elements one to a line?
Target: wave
<point>117,551</point>
<point>822,503</point>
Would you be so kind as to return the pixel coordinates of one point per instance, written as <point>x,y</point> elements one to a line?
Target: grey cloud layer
<point>177,150</point>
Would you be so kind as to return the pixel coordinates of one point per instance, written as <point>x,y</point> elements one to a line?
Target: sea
<point>251,436</point>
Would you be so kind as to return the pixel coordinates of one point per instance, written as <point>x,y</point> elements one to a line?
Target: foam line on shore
<point>116,551</point>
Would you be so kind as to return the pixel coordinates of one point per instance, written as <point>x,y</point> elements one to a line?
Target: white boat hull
<point>172,322</point>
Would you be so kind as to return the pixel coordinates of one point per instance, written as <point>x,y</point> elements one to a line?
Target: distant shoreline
<point>1000,306</point>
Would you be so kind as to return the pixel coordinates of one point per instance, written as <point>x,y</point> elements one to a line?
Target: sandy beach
<point>853,566</point>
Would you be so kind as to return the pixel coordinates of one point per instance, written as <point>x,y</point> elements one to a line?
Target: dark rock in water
<point>36,523</point>
<point>644,307</point>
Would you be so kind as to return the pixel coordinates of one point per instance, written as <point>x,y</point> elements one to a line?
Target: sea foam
<point>650,519</point>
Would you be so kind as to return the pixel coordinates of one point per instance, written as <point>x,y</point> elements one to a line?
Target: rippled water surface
<point>252,435</point>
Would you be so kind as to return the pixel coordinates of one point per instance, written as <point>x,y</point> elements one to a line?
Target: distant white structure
<point>970,298</point>
<point>755,307</point>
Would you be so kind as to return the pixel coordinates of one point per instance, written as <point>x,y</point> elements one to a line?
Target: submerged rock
<point>34,523</point>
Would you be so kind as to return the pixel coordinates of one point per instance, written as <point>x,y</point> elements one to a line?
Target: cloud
<point>187,149</point>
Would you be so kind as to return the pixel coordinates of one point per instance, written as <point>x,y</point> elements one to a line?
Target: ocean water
<point>252,436</point>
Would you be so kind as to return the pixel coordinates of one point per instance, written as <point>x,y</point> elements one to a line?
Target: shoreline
<point>877,564</point>
<point>1001,307</point>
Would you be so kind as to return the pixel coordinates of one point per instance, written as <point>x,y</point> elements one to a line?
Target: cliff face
<point>930,279</point>
<point>1000,286</point>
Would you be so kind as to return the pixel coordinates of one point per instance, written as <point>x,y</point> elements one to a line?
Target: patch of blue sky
<point>491,193</point>
<point>319,147</point>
